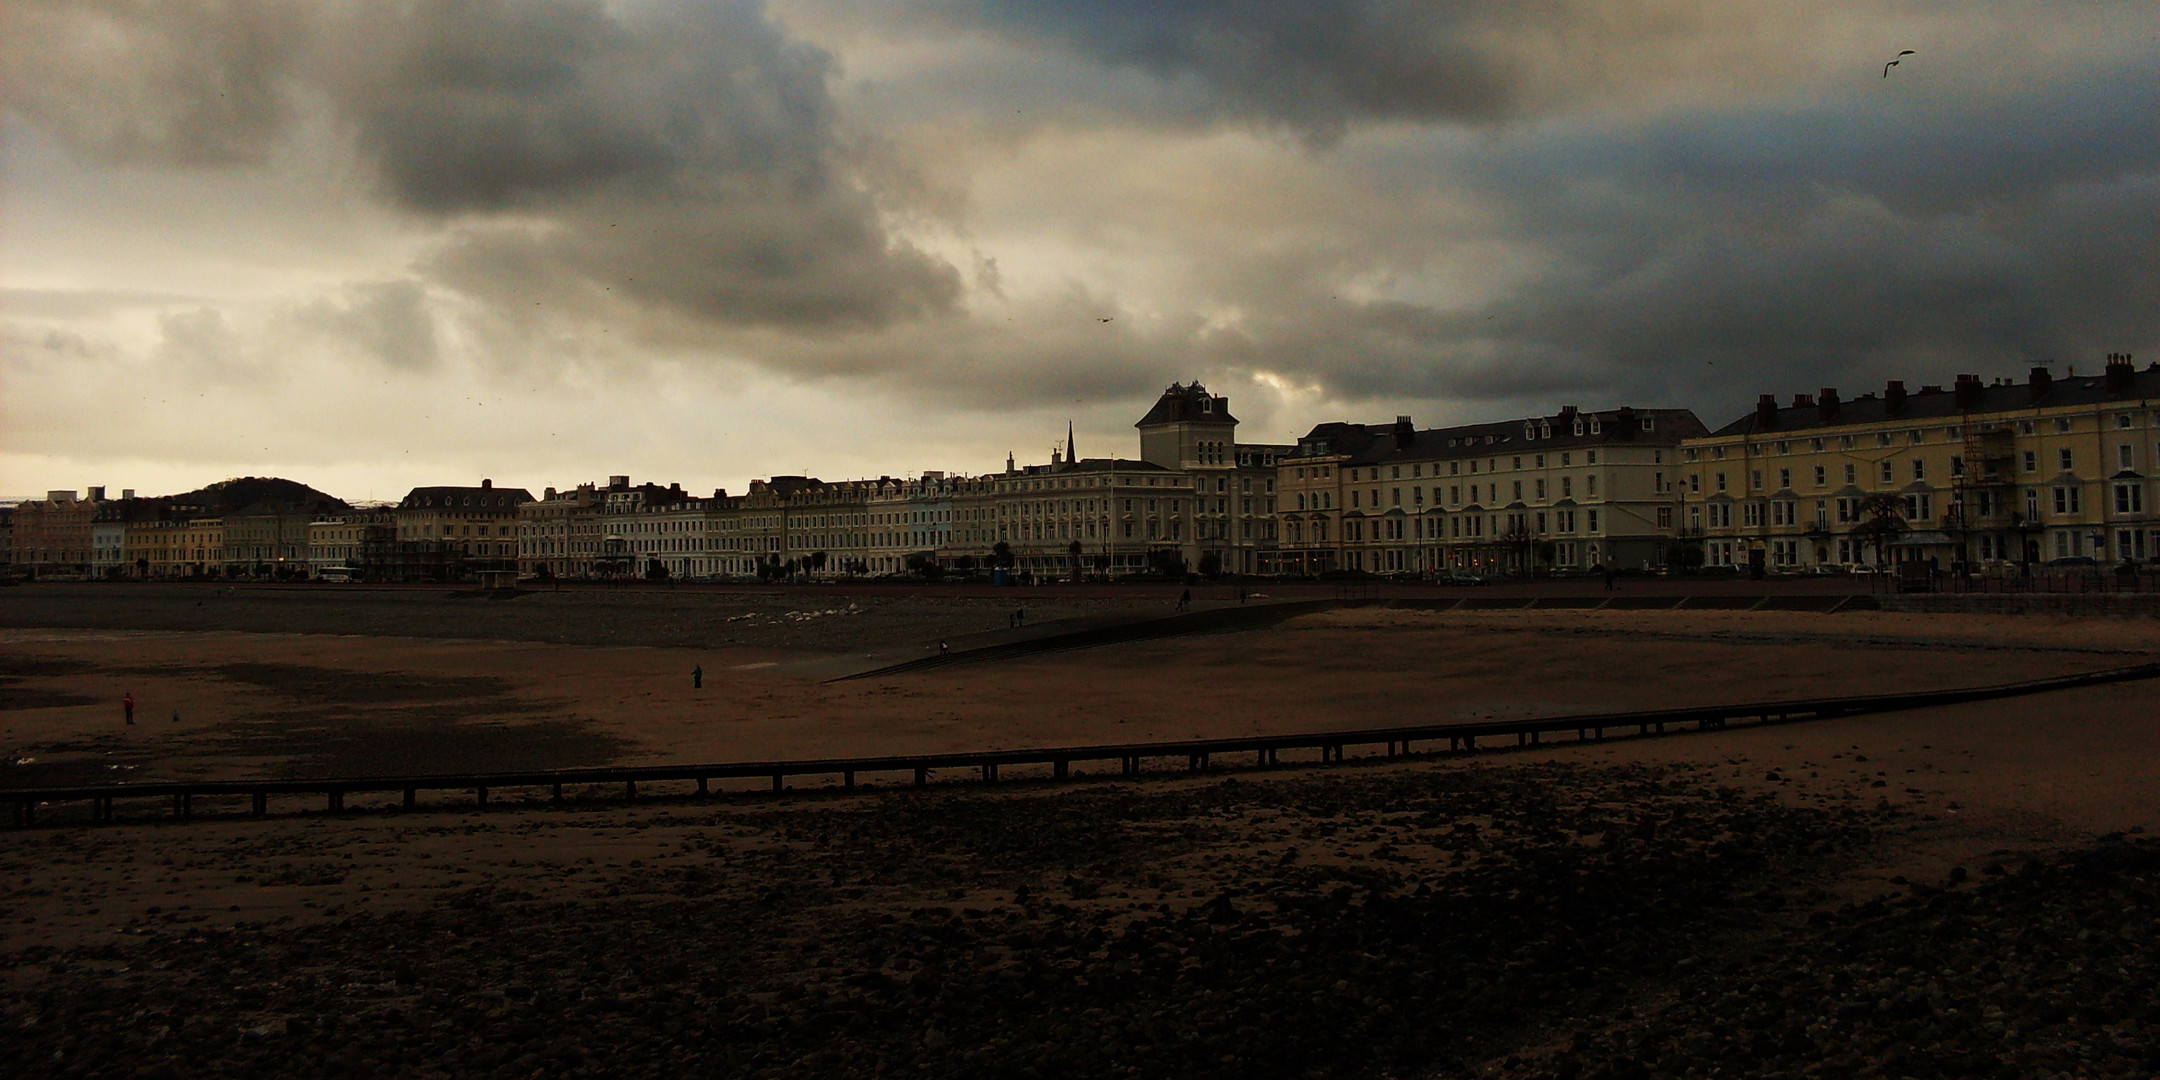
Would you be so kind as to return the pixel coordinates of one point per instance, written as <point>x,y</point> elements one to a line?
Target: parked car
<point>1463,577</point>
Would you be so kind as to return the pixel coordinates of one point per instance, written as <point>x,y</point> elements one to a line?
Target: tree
<point>1167,562</point>
<point>1210,565</point>
<point>816,561</point>
<point>1001,554</point>
<point>655,570</point>
<point>1882,523</point>
<point>1072,551</point>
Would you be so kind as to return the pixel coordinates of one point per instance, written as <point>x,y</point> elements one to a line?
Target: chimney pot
<point>1766,411</point>
<point>1802,401</point>
<point>1967,389</point>
<point>2121,375</point>
<point>1826,403</point>
<point>1894,399</point>
<point>486,484</point>
<point>2039,382</point>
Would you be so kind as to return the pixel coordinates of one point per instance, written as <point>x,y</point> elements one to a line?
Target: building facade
<point>457,531</point>
<point>1574,491</point>
<point>1985,476</point>
<point>52,537</point>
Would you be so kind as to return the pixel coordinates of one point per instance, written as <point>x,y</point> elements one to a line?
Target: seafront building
<point>455,531</point>
<point>1981,477</point>
<point>1570,491</point>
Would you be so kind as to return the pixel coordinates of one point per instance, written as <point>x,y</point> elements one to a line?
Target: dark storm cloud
<point>1313,64</point>
<point>1722,254</point>
<point>1320,66</point>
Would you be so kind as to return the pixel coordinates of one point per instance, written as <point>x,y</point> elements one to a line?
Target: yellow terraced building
<point>1988,477</point>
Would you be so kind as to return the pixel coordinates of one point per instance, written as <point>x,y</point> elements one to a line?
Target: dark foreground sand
<point>1922,894</point>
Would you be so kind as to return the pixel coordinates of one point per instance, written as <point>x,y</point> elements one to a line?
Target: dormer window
<point>1595,426</point>
<point>1207,405</point>
<point>1578,427</point>
<point>1545,430</point>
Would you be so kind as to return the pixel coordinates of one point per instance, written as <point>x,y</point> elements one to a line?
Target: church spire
<point>1071,455</point>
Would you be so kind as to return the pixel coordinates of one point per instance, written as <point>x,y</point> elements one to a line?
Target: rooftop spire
<point>1071,455</point>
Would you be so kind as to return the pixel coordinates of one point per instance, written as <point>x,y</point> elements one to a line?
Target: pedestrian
<point>176,716</point>
<point>127,706</point>
<point>1241,594</point>
<point>1184,600</point>
<point>1021,615</point>
<point>942,647</point>
<point>1608,579</point>
<point>697,677</point>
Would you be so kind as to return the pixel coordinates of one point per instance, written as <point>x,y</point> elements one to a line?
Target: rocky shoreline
<point>1381,923</point>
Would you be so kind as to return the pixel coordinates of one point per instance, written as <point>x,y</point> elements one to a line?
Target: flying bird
<point>1903,53</point>
<point>1104,320</point>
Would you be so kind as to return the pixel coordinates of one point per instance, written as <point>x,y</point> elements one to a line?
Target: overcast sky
<point>382,244</point>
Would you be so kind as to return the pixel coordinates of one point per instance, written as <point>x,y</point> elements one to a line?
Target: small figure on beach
<point>1184,600</point>
<point>176,716</point>
<point>127,706</point>
<point>697,677</point>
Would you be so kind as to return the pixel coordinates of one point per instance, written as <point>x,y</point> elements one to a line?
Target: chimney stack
<point>486,484</point>
<point>1894,399</point>
<point>127,493</point>
<point>97,494</point>
<point>2039,382</point>
<point>1967,390</point>
<point>2121,375</point>
<point>1625,421</point>
<point>1766,412</point>
<point>1803,401</point>
<point>1826,403</point>
<point>1405,433</point>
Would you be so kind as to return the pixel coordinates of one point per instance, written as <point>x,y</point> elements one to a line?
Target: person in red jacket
<point>127,706</point>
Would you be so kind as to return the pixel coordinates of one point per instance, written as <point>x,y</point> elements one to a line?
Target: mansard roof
<point>2040,391</point>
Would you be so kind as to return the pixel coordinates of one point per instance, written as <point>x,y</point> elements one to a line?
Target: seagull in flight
<point>1903,53</point>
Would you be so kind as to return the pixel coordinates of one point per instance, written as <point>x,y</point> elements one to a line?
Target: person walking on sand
<point>1184,600</point>
<point>697,677</point>
<point>127,706</point>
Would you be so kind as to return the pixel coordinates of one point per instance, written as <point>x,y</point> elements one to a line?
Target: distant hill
<point>228,496</point>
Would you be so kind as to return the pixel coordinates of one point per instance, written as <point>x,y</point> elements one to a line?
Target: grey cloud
<point>199,346</point>
<point>388,321</point>
<point>185,82</point>
<point>677,159</point>
<point>683,157</point>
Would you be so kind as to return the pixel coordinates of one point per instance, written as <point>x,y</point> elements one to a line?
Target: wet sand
<point>1824,820</point>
